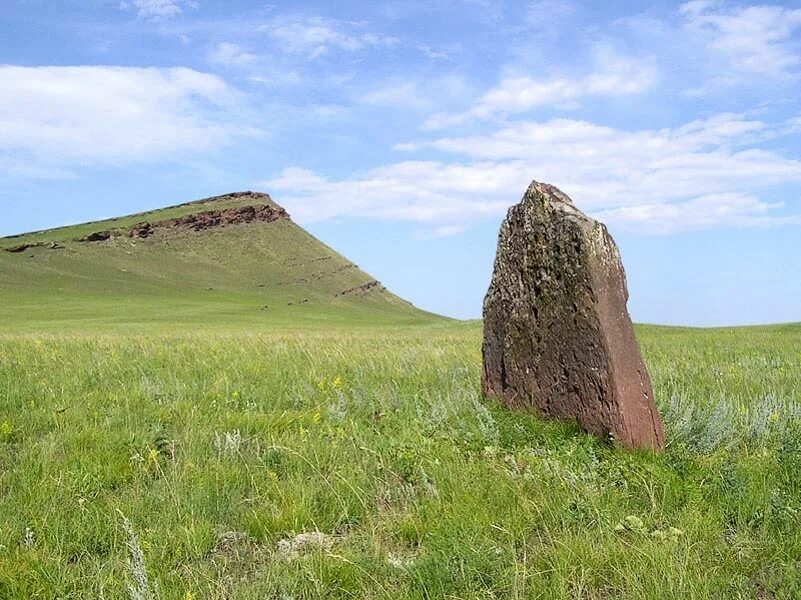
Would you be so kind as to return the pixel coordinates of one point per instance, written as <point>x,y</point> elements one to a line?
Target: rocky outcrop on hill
<point>220,218</point>
<point>208,219</point>
<point>557,335</point>
<point>23,247</point>
<point>98,236</point>
<point>363,289</point>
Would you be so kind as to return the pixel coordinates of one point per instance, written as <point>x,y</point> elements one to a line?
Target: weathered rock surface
<point>199,221</point>
<point>23,247</point>
<point>220,218</point>
<point>557,335</point>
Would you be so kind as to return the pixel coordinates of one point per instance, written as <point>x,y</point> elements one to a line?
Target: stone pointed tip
<point>553,193</point>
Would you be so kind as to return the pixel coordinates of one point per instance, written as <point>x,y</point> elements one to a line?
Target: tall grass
<point>335,464</point>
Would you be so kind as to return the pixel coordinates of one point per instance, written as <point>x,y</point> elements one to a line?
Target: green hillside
<point>236,258</point>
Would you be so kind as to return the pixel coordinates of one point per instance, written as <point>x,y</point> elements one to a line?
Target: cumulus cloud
<point>701,174</point>
<point>755,39</point>
<point>100,115</point>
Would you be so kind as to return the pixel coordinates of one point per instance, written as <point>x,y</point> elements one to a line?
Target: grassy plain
<point>242,413</point>
<point>362,462</point>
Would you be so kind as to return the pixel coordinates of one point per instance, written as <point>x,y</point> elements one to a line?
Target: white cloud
<point>615,76</point>
<point>422,94</point>
<point>316,36</point>
<point>230,54</point>
<point>755,39</point>
<point>432,53</point>
<point>794,124</point>
<point>16,167</point>
<point>543,14</point>
<point>402,93</point>
<point>158,9</point>
<point>65,116</point>
<point>448,230</point>
<point>562,139</point>
<point>603,167</point>
<point>421,191</point>
<point>701,174</point>
<point>704,212</point>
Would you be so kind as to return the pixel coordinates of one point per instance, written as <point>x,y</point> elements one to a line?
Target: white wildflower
<point>399,562</point>
<point>28,540</point>
<point>292,548</point>
<point>228,442</point>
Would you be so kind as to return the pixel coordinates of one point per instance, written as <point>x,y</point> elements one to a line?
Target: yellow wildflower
<point>6,429</point>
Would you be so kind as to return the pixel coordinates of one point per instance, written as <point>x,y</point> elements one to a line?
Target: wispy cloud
<point>544,14</point>
<point>432,53</point>
<point>157,9</point>
<point>704,212</point>
<point>230,54</point>
<point>701,174</point>
<point>439,194</point>
<point>315,36</point>
<point>755,39</point>
<point>325,75</point>
<point>416,93</point>
<point>87,116</point>
<point>615,76</point>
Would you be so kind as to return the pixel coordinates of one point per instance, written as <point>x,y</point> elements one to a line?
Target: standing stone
<point>557,335</point>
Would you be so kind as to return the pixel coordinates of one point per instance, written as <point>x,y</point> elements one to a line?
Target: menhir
<point>557,335</point>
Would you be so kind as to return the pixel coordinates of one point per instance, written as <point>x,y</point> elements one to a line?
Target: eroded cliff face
<point>265,212</point>
<point>557,334</point>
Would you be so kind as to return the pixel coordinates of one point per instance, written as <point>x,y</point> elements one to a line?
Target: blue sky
<point>399,132</point>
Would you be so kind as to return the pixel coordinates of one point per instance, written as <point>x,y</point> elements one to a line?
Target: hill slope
<point>236,257</point>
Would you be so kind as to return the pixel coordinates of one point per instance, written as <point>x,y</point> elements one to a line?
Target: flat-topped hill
<point>235,257</point>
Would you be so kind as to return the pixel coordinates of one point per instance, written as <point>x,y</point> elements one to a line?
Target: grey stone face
<point>558,338</point>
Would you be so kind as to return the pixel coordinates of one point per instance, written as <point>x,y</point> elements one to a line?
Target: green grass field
<point>220,449</point>
<point>176,422</point>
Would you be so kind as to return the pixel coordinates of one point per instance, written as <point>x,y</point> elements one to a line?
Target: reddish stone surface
<point>220,218</point>
<point>558,338</point>
<point>208,219</point>
<point>23,247</point>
